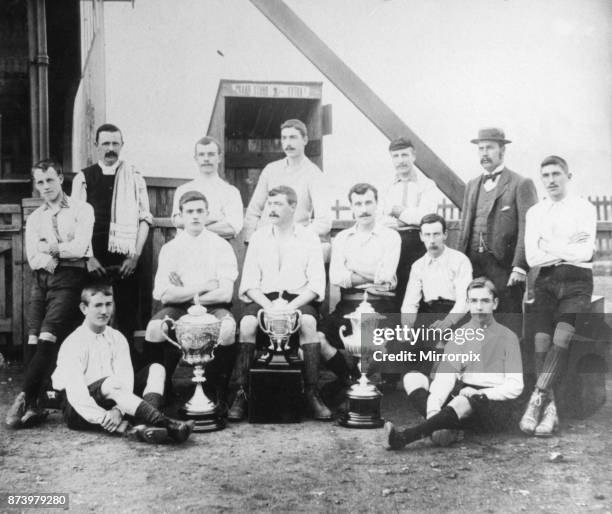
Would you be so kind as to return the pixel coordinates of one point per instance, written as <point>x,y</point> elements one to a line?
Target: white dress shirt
<point>557,222</point>
<point>446,277</point>
<point>69,226</point>
<point>224,201</point>
<point>307,181</point>
<point>419,196</point>
<point>85,357</point>
<point>491,184</point>
<point>297,268</point>
<point>196,260</point>
<point>376,252</point>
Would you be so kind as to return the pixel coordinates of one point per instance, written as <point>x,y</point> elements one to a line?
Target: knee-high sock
<point>39,369</point>
<point>542,346</point>
<point>418,399</point>
<point>553,366</point>
<point>446,418</point>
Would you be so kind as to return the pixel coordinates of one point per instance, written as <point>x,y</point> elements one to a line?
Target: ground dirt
<point>312,467</point>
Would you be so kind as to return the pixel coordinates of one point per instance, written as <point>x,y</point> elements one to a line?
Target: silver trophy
<point>363,397</point>
<point>198,335</point>
<point>280,322</point>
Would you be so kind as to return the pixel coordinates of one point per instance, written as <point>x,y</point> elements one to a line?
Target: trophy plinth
<point>363,406</point>
<point>363,397</point>
<point>197,333</point>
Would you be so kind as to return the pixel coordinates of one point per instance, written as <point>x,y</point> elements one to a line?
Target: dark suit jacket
<point>514,194</point>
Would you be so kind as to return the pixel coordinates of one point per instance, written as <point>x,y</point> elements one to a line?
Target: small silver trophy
<point>279,322</point>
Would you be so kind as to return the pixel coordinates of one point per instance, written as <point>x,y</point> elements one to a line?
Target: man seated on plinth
<point>94,370</point>
<point>283,258</point>
<point>364,258</point>
<point>196,263</point>
<point>436,296</point>
<point>477,383</point>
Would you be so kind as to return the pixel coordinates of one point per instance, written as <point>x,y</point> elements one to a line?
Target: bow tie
<point>492,176</point>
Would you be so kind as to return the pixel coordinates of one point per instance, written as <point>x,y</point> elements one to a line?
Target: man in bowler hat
<point>493,223</point>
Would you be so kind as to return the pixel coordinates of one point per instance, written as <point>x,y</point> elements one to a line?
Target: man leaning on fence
<point>58,242</point>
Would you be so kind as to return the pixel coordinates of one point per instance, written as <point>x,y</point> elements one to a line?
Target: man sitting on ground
<point>478,381</point>
<point>95,371</point>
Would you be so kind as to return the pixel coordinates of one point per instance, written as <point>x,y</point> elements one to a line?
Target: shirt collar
<point>414,179</point>
<point>375,229</point>
<point>102,335</point>
<point>498,169</point>
<point>63,204</point>
<point>109,170</point>
<point>431,259</point>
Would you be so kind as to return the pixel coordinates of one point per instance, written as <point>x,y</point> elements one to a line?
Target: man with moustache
<point>197,262</point>
<point>560,238</point>
<point>477,393</point>
<point>302,175</point>
<point>118,195</point>
<point>492,231</point>
<point>225,211</point>
<point>57,244</point>
<point>410,197</point>
<point>436,293</point>
<point>284,259</point>
<point>364,257</point>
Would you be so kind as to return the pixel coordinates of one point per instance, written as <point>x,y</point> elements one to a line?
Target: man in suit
<point>493,224</point>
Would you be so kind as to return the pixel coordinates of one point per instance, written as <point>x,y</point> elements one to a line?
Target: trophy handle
<point>167,323</point>
<point>345,339</point>
<point>298,321</point>
<point>260,314</point>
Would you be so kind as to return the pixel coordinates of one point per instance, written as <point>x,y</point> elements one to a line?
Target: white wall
<point>541,69</point>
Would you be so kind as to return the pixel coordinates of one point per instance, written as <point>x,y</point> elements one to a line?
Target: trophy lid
<point>364,307</point>
<point>198,315</point>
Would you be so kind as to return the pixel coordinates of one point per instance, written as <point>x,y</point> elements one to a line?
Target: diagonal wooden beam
<point>358,92</point>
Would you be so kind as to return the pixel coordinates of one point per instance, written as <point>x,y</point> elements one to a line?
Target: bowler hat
<point>491,134</point>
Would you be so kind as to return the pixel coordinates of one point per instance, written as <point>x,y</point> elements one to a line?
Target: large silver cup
<point>198,334</point>
<point>363,397</point>
<point>280,322</point>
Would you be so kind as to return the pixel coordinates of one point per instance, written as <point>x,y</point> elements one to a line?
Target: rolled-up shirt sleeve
<point>461,283</point>
<point>339,275</point>
<point>36,259</point>
<point>321,223</point>
<point>256,205</point>
<point>228,266</point>
<point>315,270</point>
<point>123,363</point>
<point>385,272</point>
<point>79,187</point>
<point>414,290</point>
<point>162,277</point>
<point>234,210</point>
<point>533,253</point>
<point>251,271</point>
<point>77,247</point>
